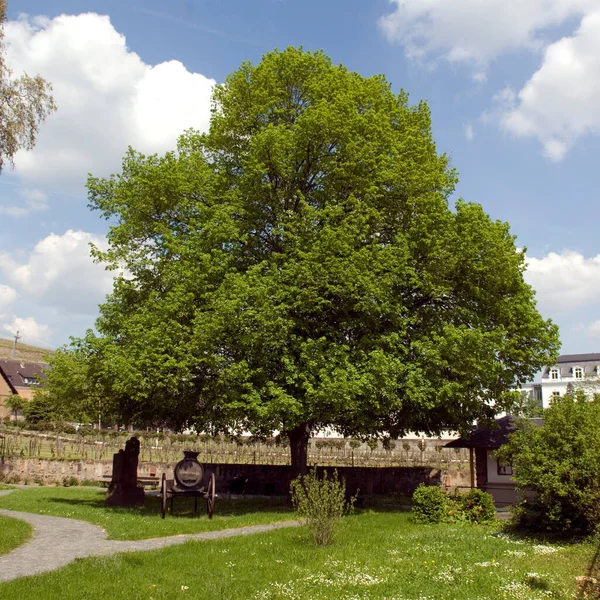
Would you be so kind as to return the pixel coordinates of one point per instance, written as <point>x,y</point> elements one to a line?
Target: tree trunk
<point>299,448</point>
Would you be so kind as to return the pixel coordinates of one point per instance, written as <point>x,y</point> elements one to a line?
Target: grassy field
<point>24,351</point>
<point>374,556</point>
<point>137,523</point>
<point>14,533</point>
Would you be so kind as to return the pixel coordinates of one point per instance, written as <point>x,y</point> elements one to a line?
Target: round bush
<point>430,504</point>
<point>478,506</point>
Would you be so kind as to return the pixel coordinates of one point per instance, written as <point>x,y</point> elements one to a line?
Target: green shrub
<point>39,409</point>
<point>46,426</point>
<point>67,429</point>
<point>557,465</point>
<point>476,506</point>
<point>321,501</point>
<point>85,430</point>
<point>430,504</point>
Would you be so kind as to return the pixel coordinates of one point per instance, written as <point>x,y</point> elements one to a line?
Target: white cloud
<point>107,97</point>
<point>34,200</point>
<point>59,272</point>
<point>564,282</point>
<point>30,331</point>
<point>475,31</point>
<point>7,298</point>
<point>469,132</point>
<point>560,102</point>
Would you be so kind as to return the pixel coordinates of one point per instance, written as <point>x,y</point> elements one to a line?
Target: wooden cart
<point>188,483</point>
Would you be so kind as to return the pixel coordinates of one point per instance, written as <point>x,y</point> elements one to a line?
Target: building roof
<point>20,373</point>
<point>490,437</point>
<point>567,362</point>
<point>574,358</point>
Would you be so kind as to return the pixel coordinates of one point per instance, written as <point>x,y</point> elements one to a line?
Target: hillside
<point>23,351</point>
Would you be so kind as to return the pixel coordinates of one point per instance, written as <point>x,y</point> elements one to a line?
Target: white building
<point>571,371</point>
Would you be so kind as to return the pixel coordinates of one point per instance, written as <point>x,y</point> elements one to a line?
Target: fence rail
<point>169,448</point>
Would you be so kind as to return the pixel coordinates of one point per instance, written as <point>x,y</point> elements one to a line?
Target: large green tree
<point>299,266</point>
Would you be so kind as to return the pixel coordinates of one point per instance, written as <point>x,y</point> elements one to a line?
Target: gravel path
<point>58,541</point>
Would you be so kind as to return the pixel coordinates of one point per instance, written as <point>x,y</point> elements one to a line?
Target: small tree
<point>15,404</point>
<point>526,405</point>
<point>321,501</point>
<point>40,409</point>
<point>559,463</point>
<point>70,387</point>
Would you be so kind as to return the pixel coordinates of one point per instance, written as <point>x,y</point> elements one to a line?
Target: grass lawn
<point>87,504</point>
<point>374,556</point>
<point>14,533</point>
<point>3,486</point>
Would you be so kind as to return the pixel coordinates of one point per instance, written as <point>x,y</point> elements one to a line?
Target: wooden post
<point>472,466</point>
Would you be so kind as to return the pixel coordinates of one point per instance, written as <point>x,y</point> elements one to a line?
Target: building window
<point>504,469</point>
<point>578,372</point>
<point>553,373</point>
<point>556,394</point>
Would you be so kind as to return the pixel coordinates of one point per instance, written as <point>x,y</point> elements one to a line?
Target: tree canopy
<point>72,386</point>
<point>298,266</point>
<point>25,102</point>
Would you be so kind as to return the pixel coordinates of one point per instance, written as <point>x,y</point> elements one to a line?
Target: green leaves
<point>321,501</point>
<point>298,265</point>
<point>25,103</point>
<point>558,462</point>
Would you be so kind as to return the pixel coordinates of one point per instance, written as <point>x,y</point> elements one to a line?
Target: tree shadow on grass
<point>588,585</point>
<point>183,507</point>
<point>542,537</point>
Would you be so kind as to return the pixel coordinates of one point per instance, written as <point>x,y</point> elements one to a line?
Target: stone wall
<point>38,470</point>
<point>251,479</point>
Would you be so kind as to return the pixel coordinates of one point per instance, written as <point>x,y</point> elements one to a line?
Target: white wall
<point>492,470</point>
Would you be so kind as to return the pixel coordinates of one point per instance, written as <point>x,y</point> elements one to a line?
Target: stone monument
<point>123,489</point>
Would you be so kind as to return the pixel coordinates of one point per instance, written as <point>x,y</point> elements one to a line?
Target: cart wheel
<point>163,495</point>
<point>210,496</point>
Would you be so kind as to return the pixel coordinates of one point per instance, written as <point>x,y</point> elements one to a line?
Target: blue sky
<point>513,86</point>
